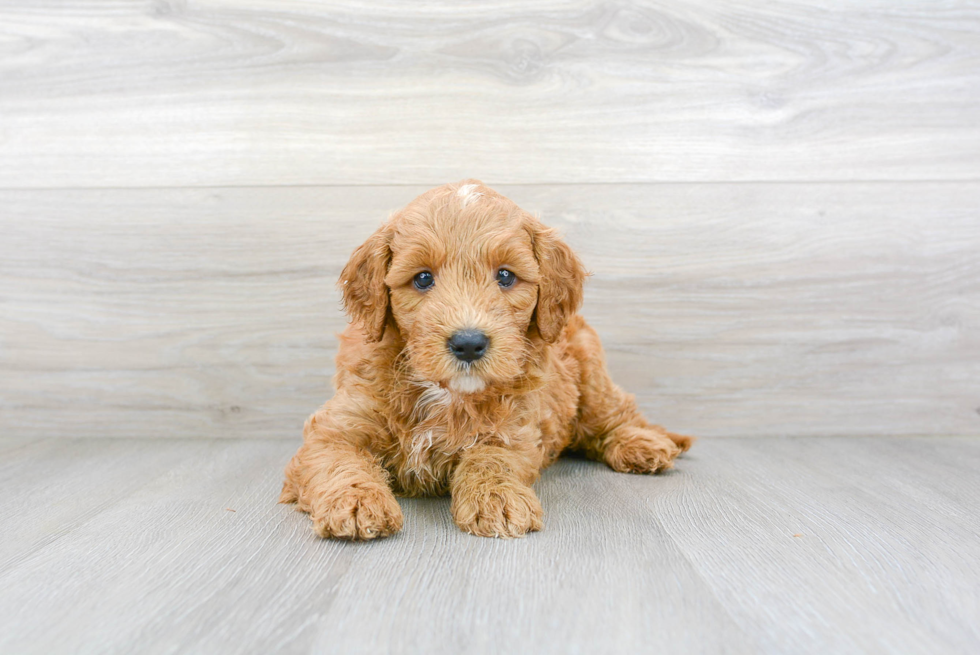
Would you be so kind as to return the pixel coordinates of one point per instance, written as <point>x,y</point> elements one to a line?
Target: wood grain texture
<point>763,545</point>
<point>739,309</point>
<point>883,528</point>
<point>174,93</point>
<point>36,478</point>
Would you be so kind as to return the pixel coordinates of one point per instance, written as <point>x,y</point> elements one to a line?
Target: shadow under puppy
<point>466,370</point>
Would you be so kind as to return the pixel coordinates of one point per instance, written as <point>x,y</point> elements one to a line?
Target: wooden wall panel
<point>174,93</point>
<point>729,309</point>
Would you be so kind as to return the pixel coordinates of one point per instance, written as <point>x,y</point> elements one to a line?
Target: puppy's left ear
<point>560,282</point>
<point>362,284</point>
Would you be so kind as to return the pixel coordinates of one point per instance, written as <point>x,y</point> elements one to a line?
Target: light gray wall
<point>780,201</point>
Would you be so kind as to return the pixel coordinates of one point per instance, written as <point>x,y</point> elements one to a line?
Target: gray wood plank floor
<point>802,545</point>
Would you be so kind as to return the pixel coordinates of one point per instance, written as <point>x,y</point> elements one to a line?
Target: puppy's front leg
<point>492,495</point>
<point>336,479</point>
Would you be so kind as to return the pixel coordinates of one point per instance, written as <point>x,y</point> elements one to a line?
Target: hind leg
<point>610,427</point>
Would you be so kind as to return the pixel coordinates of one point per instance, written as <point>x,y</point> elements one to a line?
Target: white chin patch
<point>467,384</point>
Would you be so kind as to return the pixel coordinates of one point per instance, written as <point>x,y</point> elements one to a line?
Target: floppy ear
<point>362,284</point>
<point>560,281</point>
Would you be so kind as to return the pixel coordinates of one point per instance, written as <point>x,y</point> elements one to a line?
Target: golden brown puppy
<point>466,370</point>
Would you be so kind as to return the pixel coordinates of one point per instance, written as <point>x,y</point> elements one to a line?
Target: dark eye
<point>423,280</point>
<point>505,278</point>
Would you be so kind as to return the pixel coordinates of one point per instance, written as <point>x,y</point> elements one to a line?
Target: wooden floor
<point>809,545</point>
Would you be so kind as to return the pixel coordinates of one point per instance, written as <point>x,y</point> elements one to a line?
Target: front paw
<point>640,450</point>
<point>497,510</point>
<point>368,512</point>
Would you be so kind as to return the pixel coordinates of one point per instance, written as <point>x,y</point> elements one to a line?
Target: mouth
<point>466,382</point>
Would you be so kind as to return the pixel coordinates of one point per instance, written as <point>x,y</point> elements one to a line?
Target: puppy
<point>466,370</point>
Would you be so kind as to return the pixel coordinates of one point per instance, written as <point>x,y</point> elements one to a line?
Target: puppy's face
<point>468,280</point>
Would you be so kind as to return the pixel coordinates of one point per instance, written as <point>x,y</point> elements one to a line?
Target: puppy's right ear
<point>362,283</point>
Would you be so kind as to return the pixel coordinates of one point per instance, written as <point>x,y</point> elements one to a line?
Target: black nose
<point>468,345</point>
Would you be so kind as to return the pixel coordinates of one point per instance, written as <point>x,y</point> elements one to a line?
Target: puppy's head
<point>469,280</point>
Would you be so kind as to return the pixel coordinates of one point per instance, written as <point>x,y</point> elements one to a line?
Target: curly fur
<point>408,418</point>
